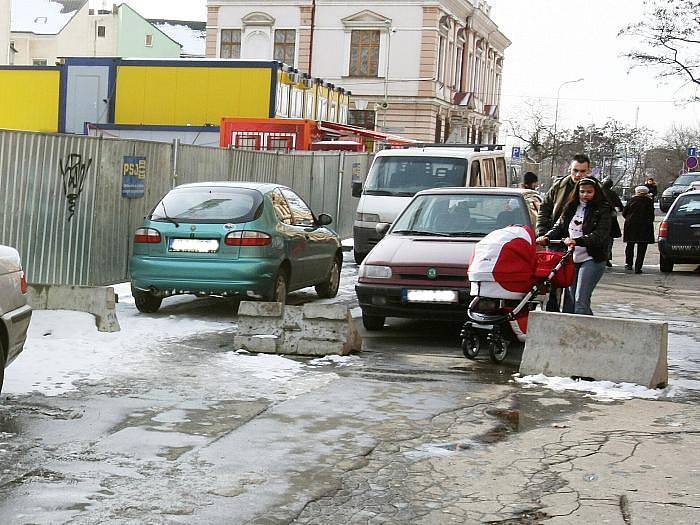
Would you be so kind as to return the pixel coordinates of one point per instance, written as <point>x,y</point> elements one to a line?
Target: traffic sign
<point>515,153</point>
<point>692,151</point>
<point>691,163</point>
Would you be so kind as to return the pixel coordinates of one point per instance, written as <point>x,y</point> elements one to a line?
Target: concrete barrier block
<point>260,309</point>
<point>335,312</point>
<point>319,347</point>
<point>267,344</point>
<point>99,301</point>
<point>602,348</point>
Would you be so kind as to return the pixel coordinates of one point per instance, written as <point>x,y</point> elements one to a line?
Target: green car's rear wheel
<point>146,302</point>
<point>279,291</point>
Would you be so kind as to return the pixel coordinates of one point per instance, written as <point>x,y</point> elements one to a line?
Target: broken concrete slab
<point>311,329</point>
<point>602,348</point>
<point>99,301</point>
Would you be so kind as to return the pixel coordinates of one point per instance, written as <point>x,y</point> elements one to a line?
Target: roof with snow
<point>191,36</point>
<point>43,17</point>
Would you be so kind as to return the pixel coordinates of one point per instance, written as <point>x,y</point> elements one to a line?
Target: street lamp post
<point>556,118</point>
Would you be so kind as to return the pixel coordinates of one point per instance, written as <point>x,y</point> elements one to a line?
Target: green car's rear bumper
<point>163,276</point>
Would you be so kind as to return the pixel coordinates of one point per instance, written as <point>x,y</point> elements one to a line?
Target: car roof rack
<point>475,147</point>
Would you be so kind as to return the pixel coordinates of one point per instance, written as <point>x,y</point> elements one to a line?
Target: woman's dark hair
<point>573,201</point>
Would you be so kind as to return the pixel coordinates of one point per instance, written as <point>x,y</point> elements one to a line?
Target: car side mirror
<point>356,189</point>
<point>324,219</point>
<point>381,228</point>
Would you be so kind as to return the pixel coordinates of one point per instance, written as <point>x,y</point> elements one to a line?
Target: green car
<point>233,239</point>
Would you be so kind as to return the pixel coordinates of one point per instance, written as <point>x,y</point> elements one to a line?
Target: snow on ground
<point>599,390</point>
<point>63,346</point>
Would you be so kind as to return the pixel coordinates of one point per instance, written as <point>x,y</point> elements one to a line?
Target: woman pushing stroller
<point>585,226</point>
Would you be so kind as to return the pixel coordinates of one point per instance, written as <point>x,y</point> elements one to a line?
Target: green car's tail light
<point>147,236</point>
<point>663,230</point>
<point>247,238</point>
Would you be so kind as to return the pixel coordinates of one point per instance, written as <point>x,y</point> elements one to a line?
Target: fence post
<point>341,166</point>
<point>176,154</point>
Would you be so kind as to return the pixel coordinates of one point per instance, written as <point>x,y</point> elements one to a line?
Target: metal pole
<point>386,74</point>
<point>556,118</point>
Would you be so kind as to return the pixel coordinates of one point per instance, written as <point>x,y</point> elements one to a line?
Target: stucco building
<point>44,31</point>
<point>426,69</point>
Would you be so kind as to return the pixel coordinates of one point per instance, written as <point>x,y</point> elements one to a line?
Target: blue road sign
<point>692,151</point>
<point>515,153</point>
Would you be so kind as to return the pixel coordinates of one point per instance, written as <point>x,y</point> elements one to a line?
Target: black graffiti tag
<point>73,172</point>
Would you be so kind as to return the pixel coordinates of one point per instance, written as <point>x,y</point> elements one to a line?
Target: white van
<point>397,174</point>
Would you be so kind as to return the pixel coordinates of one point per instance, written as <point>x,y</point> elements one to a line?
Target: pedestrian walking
<point>650,183</point>
<point>553,204</point>
<point>639,227</point>
<point>615,207</point>
<point>529,181</point>
<point>585,227</point>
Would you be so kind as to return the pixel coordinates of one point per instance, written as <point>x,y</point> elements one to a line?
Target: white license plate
<point>432,296</point>
<point>194,245</point>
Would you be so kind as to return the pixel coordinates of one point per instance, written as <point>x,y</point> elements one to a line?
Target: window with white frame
<point>364,53</point>
<point>285,42</point>
<point>149,40</point>
<point>230,46</point>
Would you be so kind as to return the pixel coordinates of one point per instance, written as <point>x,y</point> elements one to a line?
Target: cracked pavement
<point>411,433</point>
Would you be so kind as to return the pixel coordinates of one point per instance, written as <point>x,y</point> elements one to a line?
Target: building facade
<point>426,69</point>
<point>72,28</point>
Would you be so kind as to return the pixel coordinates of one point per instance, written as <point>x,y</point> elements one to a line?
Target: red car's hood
<point>400,250</point>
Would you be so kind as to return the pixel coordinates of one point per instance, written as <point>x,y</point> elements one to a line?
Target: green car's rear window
<point>215,204</point>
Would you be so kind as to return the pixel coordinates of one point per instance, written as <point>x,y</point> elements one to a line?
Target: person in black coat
<point>651,186</point>
<point>639,227</point>
<point>615,206</point>
<point>585,227</point>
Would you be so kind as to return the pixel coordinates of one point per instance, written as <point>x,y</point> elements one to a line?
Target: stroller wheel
<point>471,345</point>
<point>498,349</point>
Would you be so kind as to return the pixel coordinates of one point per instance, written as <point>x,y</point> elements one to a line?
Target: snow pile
<point>64,346</point>
<point>41,17</point>
<point>193,42</point>
<point>338,360</point>
<point>600,390</point>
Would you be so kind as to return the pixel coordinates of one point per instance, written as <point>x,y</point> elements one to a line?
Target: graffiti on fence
<point>73,171</point>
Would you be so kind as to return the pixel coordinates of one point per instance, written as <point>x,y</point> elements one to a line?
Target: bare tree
<point>669,37</point>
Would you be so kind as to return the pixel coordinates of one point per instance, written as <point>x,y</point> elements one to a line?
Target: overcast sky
<point>556,41</point>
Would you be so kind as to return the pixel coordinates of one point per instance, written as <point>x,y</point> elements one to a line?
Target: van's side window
<point>475,176</point>
<point>489,173</point>
<point>501,179</point>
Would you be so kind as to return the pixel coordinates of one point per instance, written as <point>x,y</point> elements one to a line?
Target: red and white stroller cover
<point>503,263</point>
<point>503,267</point>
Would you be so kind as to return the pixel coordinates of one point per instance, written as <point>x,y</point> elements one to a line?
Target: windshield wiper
<point>422,232</point>
<point>165,217</point>
<point>467,234</point>
<point>378,192</point>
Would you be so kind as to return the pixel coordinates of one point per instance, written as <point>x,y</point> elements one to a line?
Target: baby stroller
<point>509,278</point>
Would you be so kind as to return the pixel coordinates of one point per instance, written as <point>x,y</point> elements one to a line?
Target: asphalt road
<point>409,431</point>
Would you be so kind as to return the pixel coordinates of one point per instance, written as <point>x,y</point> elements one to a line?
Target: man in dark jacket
<point>615,206</point>
<point>639,227</point>
<point>553,205</point>
<point>555,199</point>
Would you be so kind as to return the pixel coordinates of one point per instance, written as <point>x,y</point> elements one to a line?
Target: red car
<point>419,269</point>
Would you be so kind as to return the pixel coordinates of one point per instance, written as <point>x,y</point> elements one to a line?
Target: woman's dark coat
<point>615,206</point>
<point>639,220</point>
<point>596,229</point>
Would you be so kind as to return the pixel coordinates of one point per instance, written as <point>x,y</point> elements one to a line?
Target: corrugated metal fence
<point>93,246</point>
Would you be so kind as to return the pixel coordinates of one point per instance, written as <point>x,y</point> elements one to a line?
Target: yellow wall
<point>29,99</point>
<point>190,95</point>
